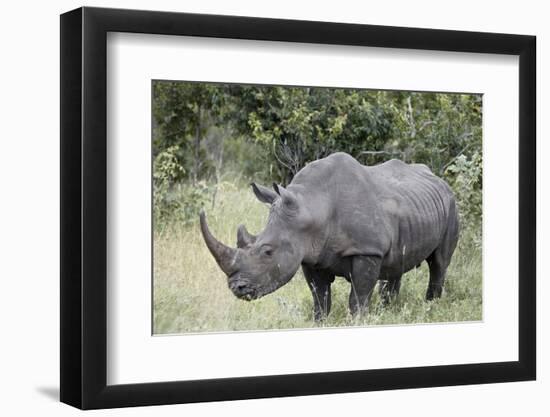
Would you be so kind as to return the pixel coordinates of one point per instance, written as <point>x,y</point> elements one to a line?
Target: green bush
<point>465,177</point>
<point>175,201</point>
<point>212,133</point>
<point>166,169</point>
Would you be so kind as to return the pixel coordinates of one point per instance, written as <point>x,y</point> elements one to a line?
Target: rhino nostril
<point>238,285</point>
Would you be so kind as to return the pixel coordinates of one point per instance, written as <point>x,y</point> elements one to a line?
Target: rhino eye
<point>267,250</point>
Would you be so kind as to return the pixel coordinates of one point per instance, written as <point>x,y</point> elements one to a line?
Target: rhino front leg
<point>318,281</point>
<point>364,274</point>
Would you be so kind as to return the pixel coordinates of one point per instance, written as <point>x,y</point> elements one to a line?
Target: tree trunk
<point>218,170</point>
<point>412,124</point>
<point>197,148</point>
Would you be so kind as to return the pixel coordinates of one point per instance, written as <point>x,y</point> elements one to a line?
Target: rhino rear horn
<point>288,197</point>
<point>244,238</point>
<point>264,194</point>
<point>224,255</point>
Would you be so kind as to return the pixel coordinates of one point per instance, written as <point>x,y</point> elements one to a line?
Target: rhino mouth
<point>247,295</point>
<point>243,289</point>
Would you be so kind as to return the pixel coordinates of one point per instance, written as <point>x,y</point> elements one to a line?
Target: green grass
<point>191,293</point>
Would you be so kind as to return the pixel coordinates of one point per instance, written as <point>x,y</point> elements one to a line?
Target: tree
<point>202,131</point>
<point>296,125</point>
<point>434,128</point>
<point>182,113</point>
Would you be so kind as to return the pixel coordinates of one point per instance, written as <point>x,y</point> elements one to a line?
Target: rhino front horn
<point>224,255</point>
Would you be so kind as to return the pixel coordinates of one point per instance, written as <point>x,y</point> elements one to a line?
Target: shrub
<point>174,201</point>
<point>465,177</point>
<point>165,170</point>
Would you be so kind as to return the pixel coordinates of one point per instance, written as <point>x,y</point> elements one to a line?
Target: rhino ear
<point>244,238</point>
<point>264,194</point>
<point>289,199</point>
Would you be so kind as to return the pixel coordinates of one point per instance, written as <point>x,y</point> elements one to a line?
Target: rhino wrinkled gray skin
<point>340,218</point>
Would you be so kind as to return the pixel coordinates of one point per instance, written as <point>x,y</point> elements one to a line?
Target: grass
<point>190,292</point>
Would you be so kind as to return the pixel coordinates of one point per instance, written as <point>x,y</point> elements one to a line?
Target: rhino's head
<point>261,264</point>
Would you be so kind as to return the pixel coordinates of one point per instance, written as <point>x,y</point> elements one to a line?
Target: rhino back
<point>394,210</point>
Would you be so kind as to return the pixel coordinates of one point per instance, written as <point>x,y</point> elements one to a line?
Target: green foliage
<point>434,128</point>
<point>217,132</point>
<point>465,176</point>
<point>298,125</point>
<point>176,201</point>
<point>182,115</point>
<point>166,169</point>
<point>243,161</point>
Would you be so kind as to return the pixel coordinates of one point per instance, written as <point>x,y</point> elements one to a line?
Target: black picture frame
<point>83,310</point>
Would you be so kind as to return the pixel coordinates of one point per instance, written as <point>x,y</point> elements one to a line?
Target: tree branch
<point>442,170</point>
<point>381,153</point>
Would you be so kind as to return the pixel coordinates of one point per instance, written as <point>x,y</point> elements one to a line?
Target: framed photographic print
<point>256,208</point>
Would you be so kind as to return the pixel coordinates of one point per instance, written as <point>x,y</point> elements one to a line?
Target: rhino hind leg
<point>389,290</point>
<point>438,262</point>
<point>437,275</point>
<point>319,282</point>
<point>440,259</point>
<point>365,271</point>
